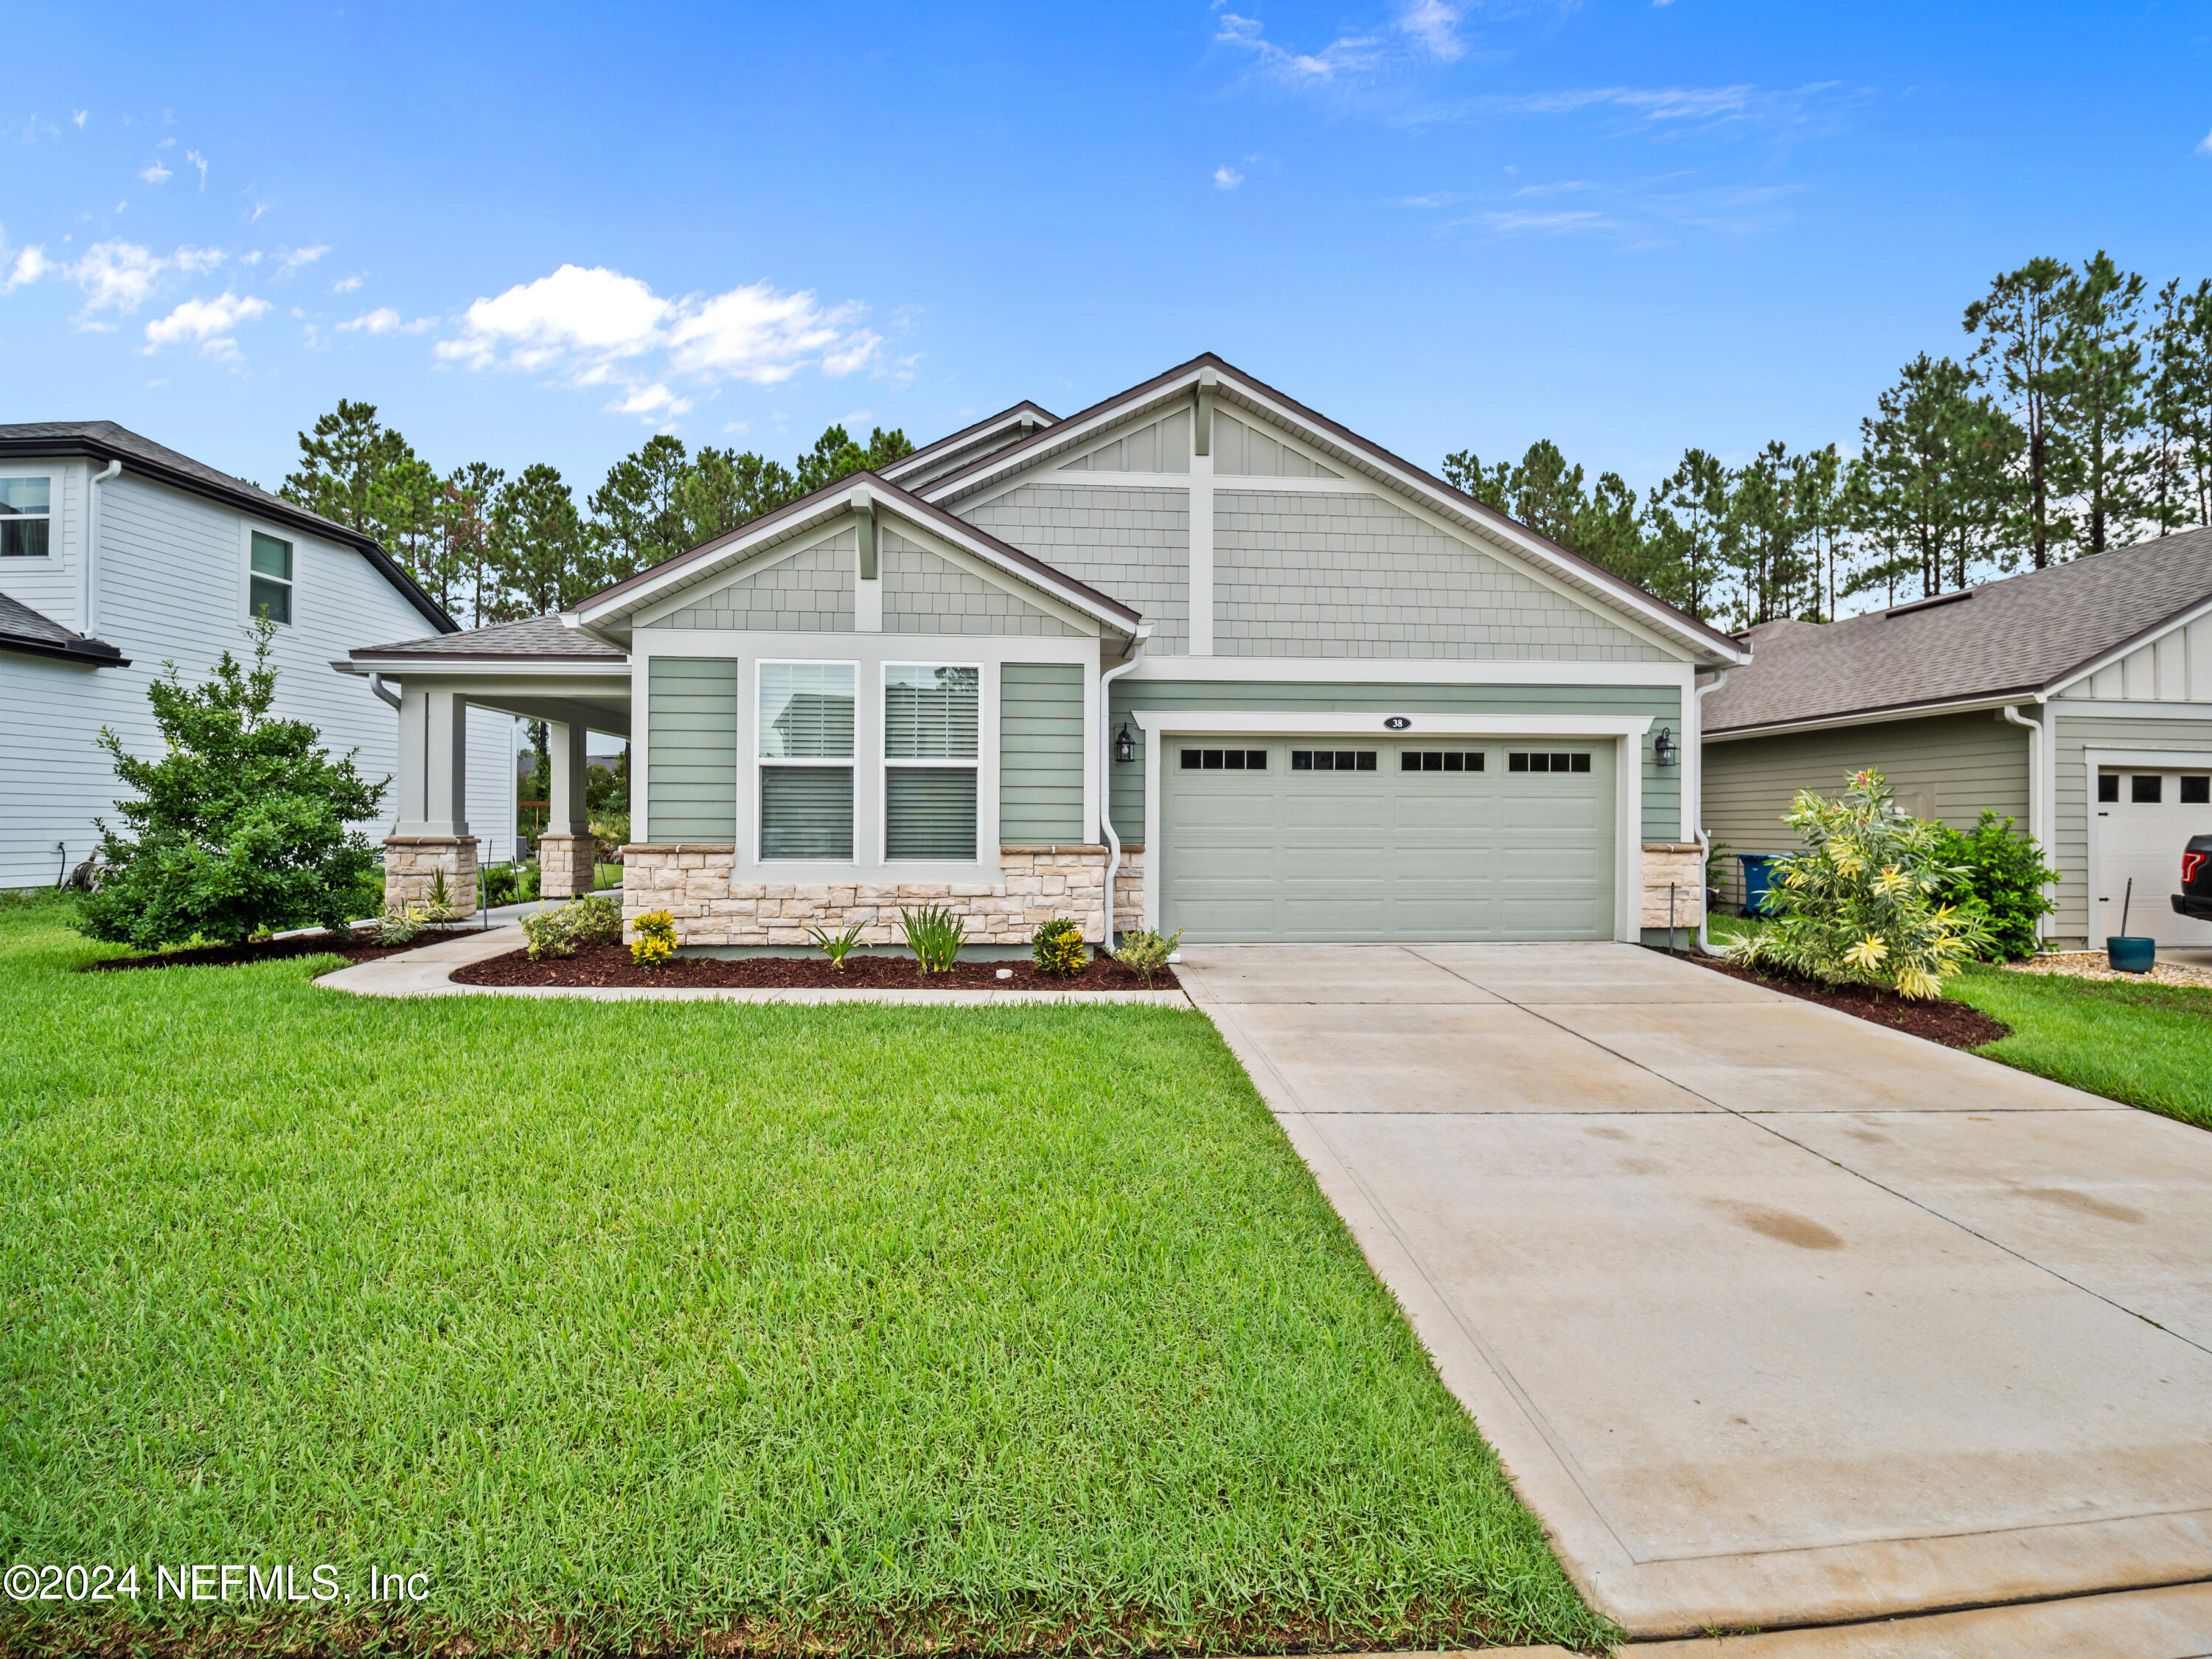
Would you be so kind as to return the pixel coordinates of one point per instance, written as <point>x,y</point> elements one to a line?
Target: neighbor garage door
<point>1269,838</point>
<point>2145,816</point>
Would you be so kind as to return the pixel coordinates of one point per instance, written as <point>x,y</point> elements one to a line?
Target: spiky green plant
<point>839,946</point>
<point>934,933</point>
<point>1860,905</point>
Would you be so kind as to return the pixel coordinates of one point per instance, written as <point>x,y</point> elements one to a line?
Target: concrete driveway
<point>1777,1317</point>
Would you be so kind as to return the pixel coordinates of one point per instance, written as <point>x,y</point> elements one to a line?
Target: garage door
<point>2144,819</point>
<point>1272,838</point>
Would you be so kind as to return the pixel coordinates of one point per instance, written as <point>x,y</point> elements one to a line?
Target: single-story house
<point>118,555</point>
<point>2075,700</point>
<point>1284,684</point>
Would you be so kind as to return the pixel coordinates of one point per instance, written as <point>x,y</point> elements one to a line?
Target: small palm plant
<point>1859,906</point>
<point>839,946</point>
<point>934,933</point>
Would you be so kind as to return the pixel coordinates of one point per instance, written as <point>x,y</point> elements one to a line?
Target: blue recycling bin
<point>1758,882</point>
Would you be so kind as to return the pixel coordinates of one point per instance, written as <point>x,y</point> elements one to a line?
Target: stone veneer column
<point>1682,864</point>
<point>566,864</point>
<point>412,864</point>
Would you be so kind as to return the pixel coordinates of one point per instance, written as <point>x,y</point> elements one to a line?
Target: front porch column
<point>567,853</point>
<point>431,838</point>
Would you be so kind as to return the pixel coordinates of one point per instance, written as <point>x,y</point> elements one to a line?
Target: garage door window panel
<point>805,759</point>
<point>931,717</point>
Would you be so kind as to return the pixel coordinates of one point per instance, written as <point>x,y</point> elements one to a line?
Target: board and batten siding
<point>1041,754</point>
<point>2076,734</point>
<point>691,749</point>
<point>1662,785</point>
<point>1946,767</point>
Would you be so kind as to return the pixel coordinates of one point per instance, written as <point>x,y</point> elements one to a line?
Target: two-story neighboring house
<point>117,556</point>
<point>1284,684</point>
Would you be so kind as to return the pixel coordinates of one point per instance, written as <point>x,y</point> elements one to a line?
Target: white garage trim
<point>1627,732</point>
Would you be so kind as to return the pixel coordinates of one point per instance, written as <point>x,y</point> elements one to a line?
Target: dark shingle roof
<point>2026,635</point>
<point>106,441</point>
<point>538,636</point>
<point>22,628</point>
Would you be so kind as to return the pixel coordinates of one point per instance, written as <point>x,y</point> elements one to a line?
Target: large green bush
<point>241,825</point>
<point>1863,904</point>
<point>2005,884</point>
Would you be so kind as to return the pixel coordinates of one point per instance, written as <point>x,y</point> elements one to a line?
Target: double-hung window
<point>931,714</point>
<point>268,583</point>
<point>805,760</point>
<point>26,507</point>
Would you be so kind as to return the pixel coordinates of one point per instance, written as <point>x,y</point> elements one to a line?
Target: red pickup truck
<point>2195,898</point>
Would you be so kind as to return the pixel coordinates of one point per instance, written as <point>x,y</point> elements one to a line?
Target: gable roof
<point>536,638</point>
<point>970,443</point>
<point>104,441</point>
<point>612,607</point>
<point>2026,637</point>
<point>1236,389</point>
<point>24,630</point>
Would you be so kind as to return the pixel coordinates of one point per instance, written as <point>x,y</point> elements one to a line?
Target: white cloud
<point>348,284</point>
<point>1226,177</point>
<point>207,324</point>
<point>1434,26</point>
<point>154,173</point>
<point>200,162</point>
<point>383,320</point>
<point>1345,54</point>
<point>596,326</point>
<point>28,265</point>
<point>2203,148</point>
<point>252,258</point>
<point>293,260</point>
<point>121,275</point>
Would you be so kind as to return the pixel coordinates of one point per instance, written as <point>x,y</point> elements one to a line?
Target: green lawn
<point>2147,1044</point>
<point>855,1328</point>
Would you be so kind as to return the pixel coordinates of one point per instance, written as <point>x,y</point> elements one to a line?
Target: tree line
<point>493,548</point>
<point>2079,418</point>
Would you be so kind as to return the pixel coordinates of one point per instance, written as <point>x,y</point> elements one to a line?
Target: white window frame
<point>47,519</point>
<point>886,763</point>
<point>291,618</point>
<point>760,762</point>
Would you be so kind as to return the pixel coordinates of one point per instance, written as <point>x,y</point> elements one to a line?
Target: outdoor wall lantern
<point>1664,750</point>
<point>1125,745</point>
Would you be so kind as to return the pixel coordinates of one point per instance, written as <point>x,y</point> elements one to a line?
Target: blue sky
<point>544,232</point>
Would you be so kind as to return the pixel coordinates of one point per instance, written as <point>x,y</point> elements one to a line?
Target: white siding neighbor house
<point>1198,647</point>
<point>117,556</point>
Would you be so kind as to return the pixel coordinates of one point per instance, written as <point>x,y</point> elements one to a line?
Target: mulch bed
<point>360,947</point>
<point>1939,1019</point>
<point>610,965</point>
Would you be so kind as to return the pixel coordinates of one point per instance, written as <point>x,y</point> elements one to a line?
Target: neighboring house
<point>117,556</point>
<point>1325,696</point>
<point>2076,701</point>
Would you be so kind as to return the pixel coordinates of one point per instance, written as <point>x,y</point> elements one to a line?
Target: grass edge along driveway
<point>859,1329</point>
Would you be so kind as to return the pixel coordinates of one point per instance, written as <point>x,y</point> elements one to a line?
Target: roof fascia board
<point>31,647</point>
<point>1007,420</point>
<point>402,665</point>
<point>1067,436</point>
<point>2135,642</point>
<point>1882,716</point>
<point>271,511</point>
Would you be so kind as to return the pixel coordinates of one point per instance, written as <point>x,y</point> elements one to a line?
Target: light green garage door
<point>1274,838</point>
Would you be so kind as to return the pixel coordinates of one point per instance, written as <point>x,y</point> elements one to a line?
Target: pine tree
<point>2098,405</point>
<point>2019,323</point>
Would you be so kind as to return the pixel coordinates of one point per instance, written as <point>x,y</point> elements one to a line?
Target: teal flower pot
<point>2130,954</point>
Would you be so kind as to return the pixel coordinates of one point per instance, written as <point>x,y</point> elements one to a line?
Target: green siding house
<point>2076,701</point>
<point>1197,645</point>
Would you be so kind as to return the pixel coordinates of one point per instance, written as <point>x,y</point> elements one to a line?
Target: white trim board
<point>1415,672</point>
<point>1626,732</point>
<point>2103,708</point>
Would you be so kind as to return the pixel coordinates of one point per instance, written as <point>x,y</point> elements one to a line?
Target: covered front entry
<point>1431,839</point>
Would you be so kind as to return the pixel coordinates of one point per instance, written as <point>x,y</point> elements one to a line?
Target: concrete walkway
<point>1777,1317</point>
<point>425,973</point>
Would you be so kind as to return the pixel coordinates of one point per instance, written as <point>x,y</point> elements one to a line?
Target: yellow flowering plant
<point>652,939</point>
<point>1862,903</point>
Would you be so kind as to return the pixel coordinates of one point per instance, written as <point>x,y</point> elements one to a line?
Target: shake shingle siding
<point>925,593</point>
<point>810,591</point>
<point>1298,573</point>
<point>1130,542</point>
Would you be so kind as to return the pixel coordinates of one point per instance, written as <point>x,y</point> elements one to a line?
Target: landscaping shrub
<point>595,918</point>
<point>838,945</point>
<point>509,883</point>
<point>935,935</point>
<point>1860,905</point>
<point>653,939</point>
<point>1147,952</point>
<point>2005,882</point>
<point>239,828</point>
<point>1057,947</point>
<point>545,934</point>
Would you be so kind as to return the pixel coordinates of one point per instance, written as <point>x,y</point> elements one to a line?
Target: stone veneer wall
<point>691,882</point>
<point>1678,862</point>
<point>411,864</point>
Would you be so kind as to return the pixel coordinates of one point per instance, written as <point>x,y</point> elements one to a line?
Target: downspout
<point>88,610</point>
<point>1138,641</point>
<point>376,684</point>
<point>1704,839</point>
<point>2037,828</point>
